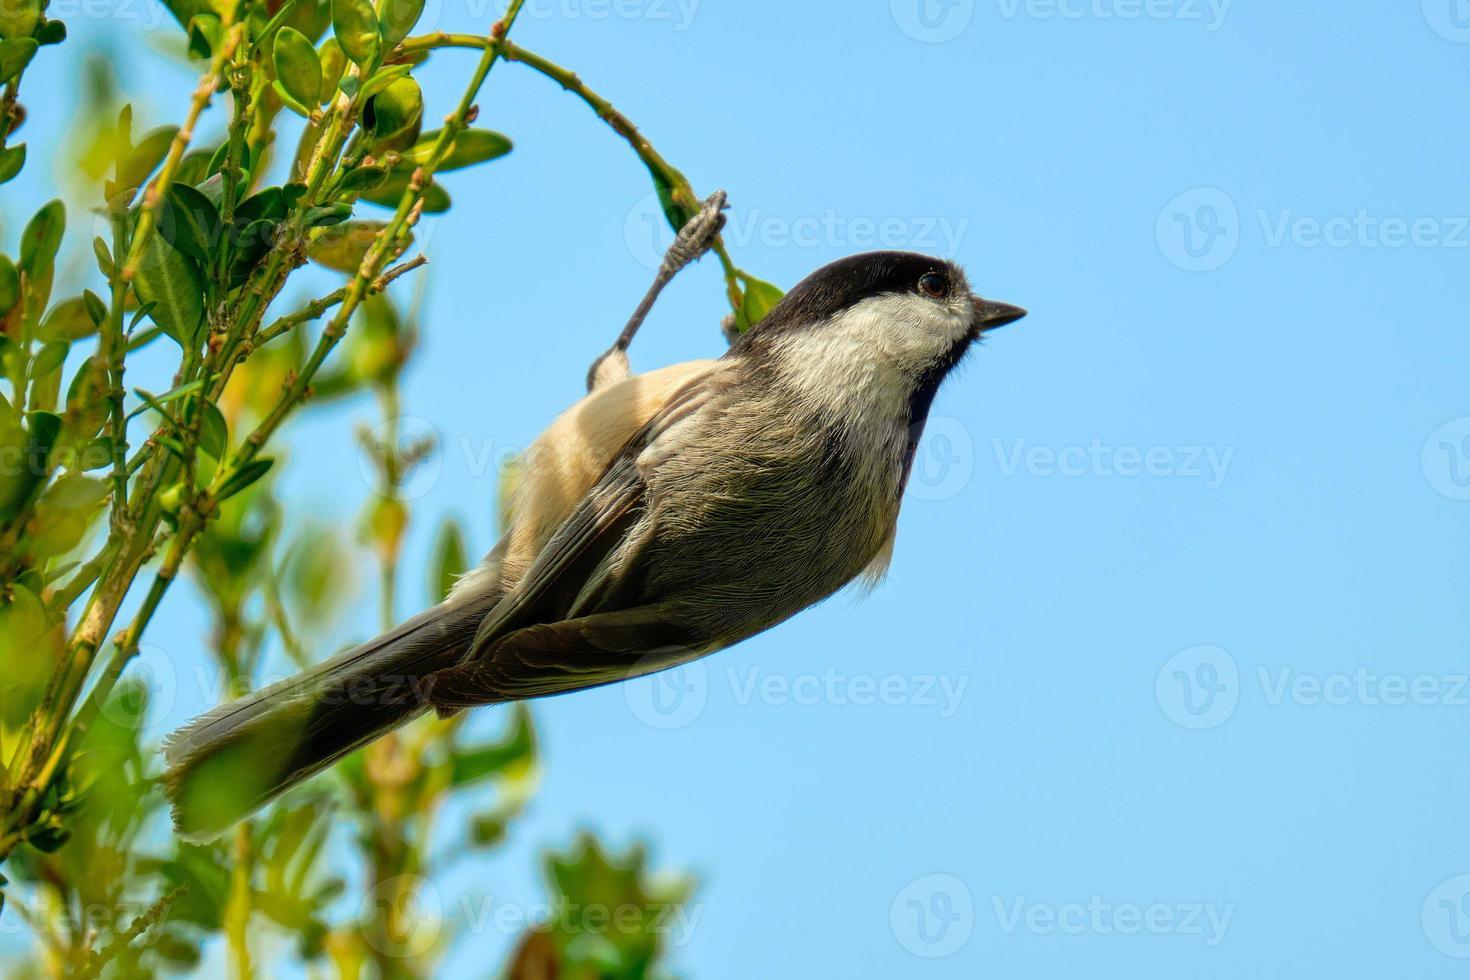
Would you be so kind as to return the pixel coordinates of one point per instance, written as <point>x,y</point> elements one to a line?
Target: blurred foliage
<point>142,388</point>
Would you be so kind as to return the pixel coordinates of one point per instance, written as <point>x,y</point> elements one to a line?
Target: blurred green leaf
<point>205,31</point>
<point>9,285</point>
<point>363,179</point>
<point>244,477</point>
<point>18,18</point>
<point>12,159</point>
<point>66,510</point>
<point>356,26</point>
<point>450,561</point>
<point>51,32</point>
<point>436,198</point>
<point>516,748</point>
<point>38,245</point>
<point>71,319</point>
<point>15,54</point>
<point>214,433</point>
<point>396,18</point>
<point>144,158</point>
<point>469,148</point>
<point>344,247</point>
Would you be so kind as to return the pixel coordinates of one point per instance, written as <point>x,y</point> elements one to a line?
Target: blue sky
<point>1168,677</point>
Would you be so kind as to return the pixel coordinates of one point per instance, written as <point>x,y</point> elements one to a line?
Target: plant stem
<point>681,191</point>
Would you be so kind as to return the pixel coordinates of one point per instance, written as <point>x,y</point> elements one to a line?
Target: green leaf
<point>49,359</point>
<point>96,309</point>
<point>19,18</point>
<point>244,477</point>
<point>471,765</point>
<point>38,245</point>
<point>333,63</point>
<point>12,158</point>
<point>15,54</point>
<point>104,257</point>
<point>205,31</point>
<point>189,221</point>
<point>364,179</point>
<point>760,296</point>
<point>50,32</point>
<point>144,158</point>
<point>66,510</point>
<point>214,434</point>
<point>328,214</point>
<point>356,27</point>
<point>436,198</point>
<point>397,17</point>
<point>268,204</point>
<point>345,246</point>
<point>251,244</point>
<point>450,560</point>
<point>290,101</point>
<point>396,110</point>
<point>9,285</point>
<point>170,280</point>
<point>298,68</point>
<point>469,148</point>
<point>68,320</point>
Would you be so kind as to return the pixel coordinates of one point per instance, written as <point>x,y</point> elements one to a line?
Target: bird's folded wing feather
<point>525,646</point>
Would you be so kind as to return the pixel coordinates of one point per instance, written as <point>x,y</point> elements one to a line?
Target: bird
<point>663,517</point>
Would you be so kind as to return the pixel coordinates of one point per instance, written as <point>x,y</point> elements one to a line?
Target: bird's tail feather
<point>230,761</point>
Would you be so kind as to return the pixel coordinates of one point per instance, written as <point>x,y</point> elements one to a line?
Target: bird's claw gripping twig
<point>693,240</point>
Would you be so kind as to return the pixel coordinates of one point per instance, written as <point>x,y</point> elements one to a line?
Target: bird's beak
<point>989,314</point>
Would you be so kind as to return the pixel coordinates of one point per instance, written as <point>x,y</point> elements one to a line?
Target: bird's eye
<point>933,285</point>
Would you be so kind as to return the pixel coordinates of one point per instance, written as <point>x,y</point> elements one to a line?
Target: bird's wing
<point>526,646</point>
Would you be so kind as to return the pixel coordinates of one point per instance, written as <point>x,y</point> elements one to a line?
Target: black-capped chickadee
<point>663,517</point>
